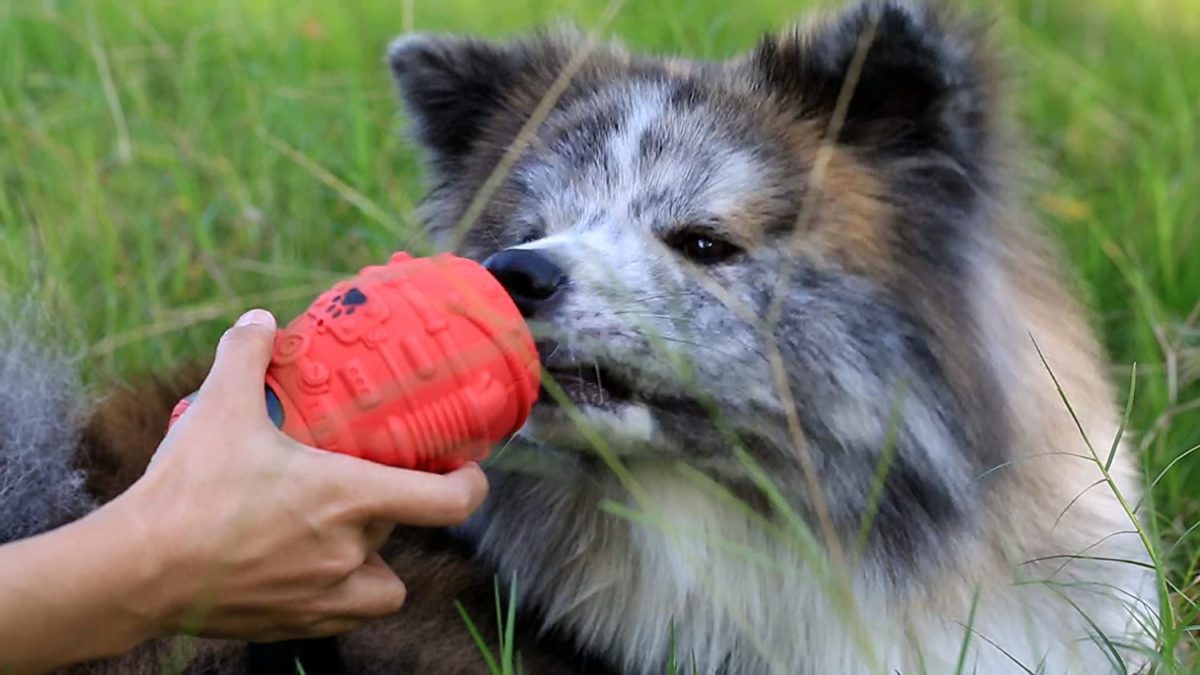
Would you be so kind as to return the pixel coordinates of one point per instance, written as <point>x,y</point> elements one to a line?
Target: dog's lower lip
<point>585,385</point>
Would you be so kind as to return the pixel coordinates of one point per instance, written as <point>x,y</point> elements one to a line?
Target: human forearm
<point>75,594</point>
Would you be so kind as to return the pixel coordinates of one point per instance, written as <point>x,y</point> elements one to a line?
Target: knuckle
<point>300,622</point>
<point>345,560</point>
<point>321,609</point>
<point>330,627</point>
<point>329,569</point>
<point>342,506</point>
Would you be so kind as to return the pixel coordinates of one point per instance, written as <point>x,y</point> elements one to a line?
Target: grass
<point>164,165</point>
<point>507,661</point>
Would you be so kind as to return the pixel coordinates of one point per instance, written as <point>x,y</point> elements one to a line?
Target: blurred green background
<point>166,164</point>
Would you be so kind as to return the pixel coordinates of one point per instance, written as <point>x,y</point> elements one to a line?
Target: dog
<point>819,396</point>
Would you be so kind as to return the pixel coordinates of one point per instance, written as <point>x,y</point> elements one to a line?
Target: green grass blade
<point>477,638</point>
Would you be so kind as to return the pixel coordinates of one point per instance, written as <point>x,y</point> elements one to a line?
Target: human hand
<point>252,535</point>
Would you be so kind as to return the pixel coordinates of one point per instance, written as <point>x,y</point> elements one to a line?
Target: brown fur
<point>428,635</point>
<point>126,427</point>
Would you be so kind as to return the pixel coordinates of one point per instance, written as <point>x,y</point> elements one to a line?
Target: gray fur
<point>41,412</point>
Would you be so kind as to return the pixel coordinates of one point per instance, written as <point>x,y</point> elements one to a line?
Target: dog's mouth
<point>586,384</point>
<point>581,382</point>
<point>631,411</point>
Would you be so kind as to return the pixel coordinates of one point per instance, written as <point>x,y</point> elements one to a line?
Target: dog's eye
<point>702,247</point>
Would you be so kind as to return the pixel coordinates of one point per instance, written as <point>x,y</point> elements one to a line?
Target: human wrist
<point>139,560</point>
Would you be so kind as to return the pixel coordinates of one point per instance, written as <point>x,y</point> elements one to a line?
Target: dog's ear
<point>451,87</point>
<point>892,76</point>
<point>454,87</point>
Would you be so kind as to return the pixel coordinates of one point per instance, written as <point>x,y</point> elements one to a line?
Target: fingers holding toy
<point>271,538</point>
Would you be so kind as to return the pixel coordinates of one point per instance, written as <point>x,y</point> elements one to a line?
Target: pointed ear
<point>906,77</point>
<point>450,87</point>
<point>453,87</point>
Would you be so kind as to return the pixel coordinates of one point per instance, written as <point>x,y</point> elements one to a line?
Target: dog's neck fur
<point>738,597</point>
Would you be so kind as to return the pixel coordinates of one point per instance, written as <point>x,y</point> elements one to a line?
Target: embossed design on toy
<point>346,303</point>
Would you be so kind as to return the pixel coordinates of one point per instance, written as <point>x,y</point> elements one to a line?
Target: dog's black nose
<point>529,276</point>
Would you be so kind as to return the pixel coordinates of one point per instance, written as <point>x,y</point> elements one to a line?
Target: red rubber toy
<point>423,363</point>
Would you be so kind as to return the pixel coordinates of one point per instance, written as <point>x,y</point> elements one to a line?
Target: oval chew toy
<point>423,363</point>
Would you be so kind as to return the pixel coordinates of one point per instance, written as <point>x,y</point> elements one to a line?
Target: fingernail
<point>256,317</point>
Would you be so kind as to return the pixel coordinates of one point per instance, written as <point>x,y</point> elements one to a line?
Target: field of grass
<point>166,164</point>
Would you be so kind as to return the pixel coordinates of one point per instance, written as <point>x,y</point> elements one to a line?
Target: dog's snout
<point>529,276</point>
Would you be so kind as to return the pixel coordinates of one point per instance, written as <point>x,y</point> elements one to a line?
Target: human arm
<point>235,530</point>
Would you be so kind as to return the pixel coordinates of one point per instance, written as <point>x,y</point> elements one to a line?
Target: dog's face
<point>774,252</point>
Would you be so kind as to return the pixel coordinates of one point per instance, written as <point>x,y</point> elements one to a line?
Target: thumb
<point>243,354</point>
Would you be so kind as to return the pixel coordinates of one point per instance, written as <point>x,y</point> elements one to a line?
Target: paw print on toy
<point>345,303</point>
<point>346,311</point>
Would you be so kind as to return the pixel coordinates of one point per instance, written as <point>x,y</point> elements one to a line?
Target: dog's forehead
<point>642,154</point>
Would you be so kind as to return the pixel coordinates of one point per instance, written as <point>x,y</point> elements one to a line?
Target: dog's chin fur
<point>623,428</point>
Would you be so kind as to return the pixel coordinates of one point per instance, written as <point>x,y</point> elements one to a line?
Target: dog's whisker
<point>634,301</point>
<point>651,315</point>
